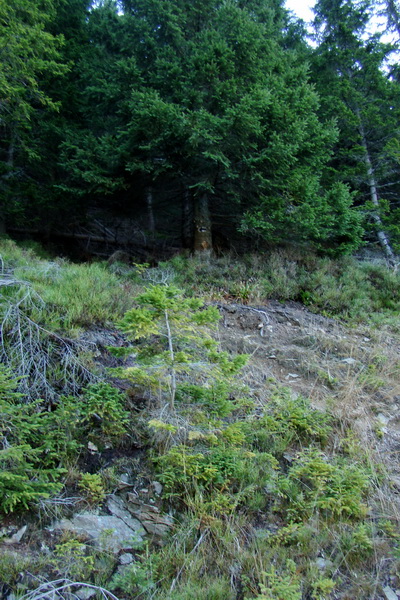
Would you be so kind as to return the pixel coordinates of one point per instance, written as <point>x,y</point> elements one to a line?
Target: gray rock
<point>17,537</point>
<point>154,523</point>
<point>349,361</point>
<point>322,563</point>
<point>109,532</point>
<point>126,558</point>
<point>383,419</point>
<point>158,488</point>
<point>84,593</point>
<point>116,506</point>
<point>390,594</point>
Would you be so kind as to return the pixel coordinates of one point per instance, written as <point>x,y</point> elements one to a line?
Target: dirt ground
<point>353,372</point>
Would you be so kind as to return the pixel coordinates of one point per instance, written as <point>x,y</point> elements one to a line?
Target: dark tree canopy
<point>198,113</point>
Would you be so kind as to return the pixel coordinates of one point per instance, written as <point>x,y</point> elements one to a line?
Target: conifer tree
<point>29,54</point>
<point>212,97</point>
<point>354,89</point>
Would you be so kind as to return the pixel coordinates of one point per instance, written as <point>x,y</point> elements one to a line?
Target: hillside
<point>259,460</point>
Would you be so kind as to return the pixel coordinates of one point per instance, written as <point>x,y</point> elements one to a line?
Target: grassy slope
<point>272,498</point>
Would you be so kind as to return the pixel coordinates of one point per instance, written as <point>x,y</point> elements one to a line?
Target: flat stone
<point>109,532</point>
<point>118,508</point>
<point>390,594</point>
<point>157,529</point>
<point>383,419</point>
<point>158,488</point>
<point>17,537</point>
<point>349,361</point>
<point>139,505</point>
<point>126,558</point>
<point>84,593</point>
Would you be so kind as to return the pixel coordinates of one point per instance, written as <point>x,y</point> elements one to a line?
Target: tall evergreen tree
<point>212,96</point>
<point>355,89</point>
<point>29,54</point>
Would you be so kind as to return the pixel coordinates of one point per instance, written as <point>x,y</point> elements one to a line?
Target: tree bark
<point>187,219</point>
<point>172,358</point>
<point>382,237</point>
<point>202,242</point>
<point>2,220</point>
<point>150,210</point>
<point>10,165</point>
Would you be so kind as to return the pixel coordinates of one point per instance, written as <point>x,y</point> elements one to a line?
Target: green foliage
<point>32,443</point>
<point>36,444</point>
<point>102,407</point>
<point>22,479</point>
<point>98,414</point>
<point>181,345</point>
<point>340,287</point>
<point>288,420</point>
<point>356,90</point>
<point>206,588</point>
<point>76,295</point>
<point>139,577</point>
<point>322,588</point>
<point>72,561</point>
<point>92,487</point>
<point>280,586</point>
<point>215,399</point>
<point>32,56</point>
<point>315,485</point>
<point>223,476</point>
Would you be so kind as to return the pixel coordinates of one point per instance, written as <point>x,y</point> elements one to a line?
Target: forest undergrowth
<point>281,481</point>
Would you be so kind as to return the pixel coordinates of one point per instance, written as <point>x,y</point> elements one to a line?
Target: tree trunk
<point>172,358</point>
<point>382,237</point>
<point>202,242</point>
<point>187,219</point>
<point>10,165</point>
<point>150,210</point>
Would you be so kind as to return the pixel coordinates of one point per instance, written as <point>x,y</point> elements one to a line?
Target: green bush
<point>36,445</point>
<point>288,420</point>
<point>332,489</point>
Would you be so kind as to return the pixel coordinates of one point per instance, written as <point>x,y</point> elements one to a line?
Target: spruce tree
<point>29,54</point>
<point>212,97</point>
<point>364,100</point>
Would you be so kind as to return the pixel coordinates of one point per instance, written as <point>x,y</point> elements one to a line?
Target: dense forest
<point>200,123</point>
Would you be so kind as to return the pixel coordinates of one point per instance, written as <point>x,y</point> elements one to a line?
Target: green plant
<point>140,577</point>
<point>31,447</point>
<point>288,420</point>
<point>180,344</point>
<point>72,560</point>
<point>356,544</point>
<point>322,588</point>
<point>102,408</point>
<point>92,486</point>
<point>316,485</point>
<point>283,585</point>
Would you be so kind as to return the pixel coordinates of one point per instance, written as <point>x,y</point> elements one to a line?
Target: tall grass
<point>345,287</point>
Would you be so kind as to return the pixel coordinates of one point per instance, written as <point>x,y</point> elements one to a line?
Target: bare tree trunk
<point>150,210</point>
<point>382,237</point>
<point>202,242</point>
<point>172,358</point>
<point>187,219</point>
<point>10,165</point>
